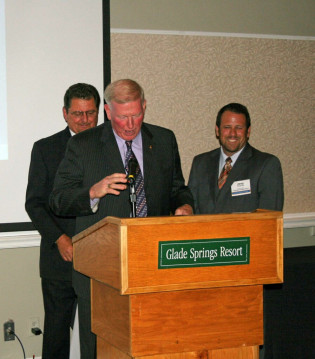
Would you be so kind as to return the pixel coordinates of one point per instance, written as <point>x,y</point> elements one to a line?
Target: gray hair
<point>123,91</point>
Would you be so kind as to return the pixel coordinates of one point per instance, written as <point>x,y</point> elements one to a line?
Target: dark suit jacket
<point>46,156</point>
<point>262,169</point>
<point>94,154</point>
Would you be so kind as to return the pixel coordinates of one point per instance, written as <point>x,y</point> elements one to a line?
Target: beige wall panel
<point>187,79</point>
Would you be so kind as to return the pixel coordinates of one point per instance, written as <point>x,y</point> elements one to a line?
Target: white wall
<point>50,45</point>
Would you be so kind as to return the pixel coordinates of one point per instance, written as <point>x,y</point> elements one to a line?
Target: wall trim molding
<point>299,220</point>
<point>210,34</point>
<point>27,239</point>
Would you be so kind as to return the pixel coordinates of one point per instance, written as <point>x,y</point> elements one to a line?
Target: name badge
<point>241,188</point>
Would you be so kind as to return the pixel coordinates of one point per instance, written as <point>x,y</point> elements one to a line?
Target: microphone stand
<point>132,169</point>
<point>133,197</point>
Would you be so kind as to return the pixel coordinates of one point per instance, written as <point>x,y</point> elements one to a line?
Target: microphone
<point>132,166</point>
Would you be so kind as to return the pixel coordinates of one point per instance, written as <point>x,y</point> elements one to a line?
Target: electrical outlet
<point>9,324</point>
<point>33,322</point>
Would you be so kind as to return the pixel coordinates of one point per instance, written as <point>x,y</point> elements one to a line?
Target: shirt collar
<point>136,142</point>
<point>234,157</point>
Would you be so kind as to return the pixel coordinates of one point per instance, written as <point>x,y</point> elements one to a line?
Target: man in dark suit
<point>252,180</point>
<point>91,180</point>
<point>80,111</point>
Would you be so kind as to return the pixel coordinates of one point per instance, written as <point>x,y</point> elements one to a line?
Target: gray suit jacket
<point>262,169</point>
<point>94,154</point>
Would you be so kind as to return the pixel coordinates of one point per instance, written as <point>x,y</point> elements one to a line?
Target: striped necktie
<point>141,203</point>
<point>225,172</point>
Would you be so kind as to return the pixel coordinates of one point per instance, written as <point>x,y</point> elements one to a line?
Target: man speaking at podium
<point>91,182</point>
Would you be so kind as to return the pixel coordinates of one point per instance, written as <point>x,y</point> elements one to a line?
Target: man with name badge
<point>235,177</point>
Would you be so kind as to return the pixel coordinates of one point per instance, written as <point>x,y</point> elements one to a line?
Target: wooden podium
<point>180,287</point>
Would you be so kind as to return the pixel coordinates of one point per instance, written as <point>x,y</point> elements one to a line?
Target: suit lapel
<point>61,149</point>
<point>213,176</point>
<point>110,153</point>
<point>64,138</point>
<point>237,172</point>
<point>66,134</point>
<point>148,150</point>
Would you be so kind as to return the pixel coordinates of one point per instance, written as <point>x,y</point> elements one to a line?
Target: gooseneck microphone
<point>132,167</point>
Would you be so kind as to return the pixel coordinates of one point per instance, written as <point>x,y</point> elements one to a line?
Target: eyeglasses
<point>80,114</point>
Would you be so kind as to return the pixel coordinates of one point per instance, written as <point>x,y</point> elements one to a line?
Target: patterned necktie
<point>225,172</point>
<point>141,204</point>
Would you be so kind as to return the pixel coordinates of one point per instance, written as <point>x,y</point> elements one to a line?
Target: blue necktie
<point>141,204</point>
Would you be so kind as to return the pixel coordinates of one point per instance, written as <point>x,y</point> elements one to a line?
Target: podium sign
<point>201,253</point>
